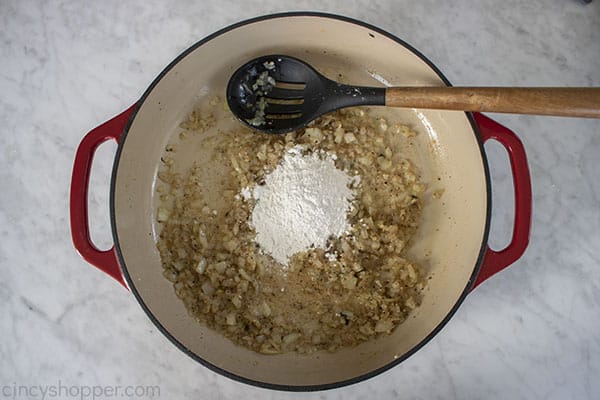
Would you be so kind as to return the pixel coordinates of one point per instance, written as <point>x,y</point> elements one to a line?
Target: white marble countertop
<point>530,332</point>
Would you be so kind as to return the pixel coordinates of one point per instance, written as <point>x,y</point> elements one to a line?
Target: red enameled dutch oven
<point>452,237</point>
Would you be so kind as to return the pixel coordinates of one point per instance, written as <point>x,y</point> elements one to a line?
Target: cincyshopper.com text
<point>61,390</point>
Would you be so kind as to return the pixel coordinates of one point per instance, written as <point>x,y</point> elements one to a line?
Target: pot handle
<point>105,260</point>
<point>495,261</point>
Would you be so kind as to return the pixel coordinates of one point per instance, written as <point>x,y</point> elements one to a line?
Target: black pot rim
<point>298,388</point>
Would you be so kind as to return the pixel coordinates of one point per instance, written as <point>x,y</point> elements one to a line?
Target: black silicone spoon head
<point>279,94</point>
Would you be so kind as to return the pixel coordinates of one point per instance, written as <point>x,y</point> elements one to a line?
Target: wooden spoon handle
<point>565,102</point>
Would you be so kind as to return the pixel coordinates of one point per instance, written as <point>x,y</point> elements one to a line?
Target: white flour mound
<point>303,202</point>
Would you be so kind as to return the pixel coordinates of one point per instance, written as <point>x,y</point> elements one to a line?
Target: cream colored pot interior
<point>445,151</point>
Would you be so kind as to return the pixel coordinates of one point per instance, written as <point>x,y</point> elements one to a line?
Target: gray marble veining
<point>532,331</point>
